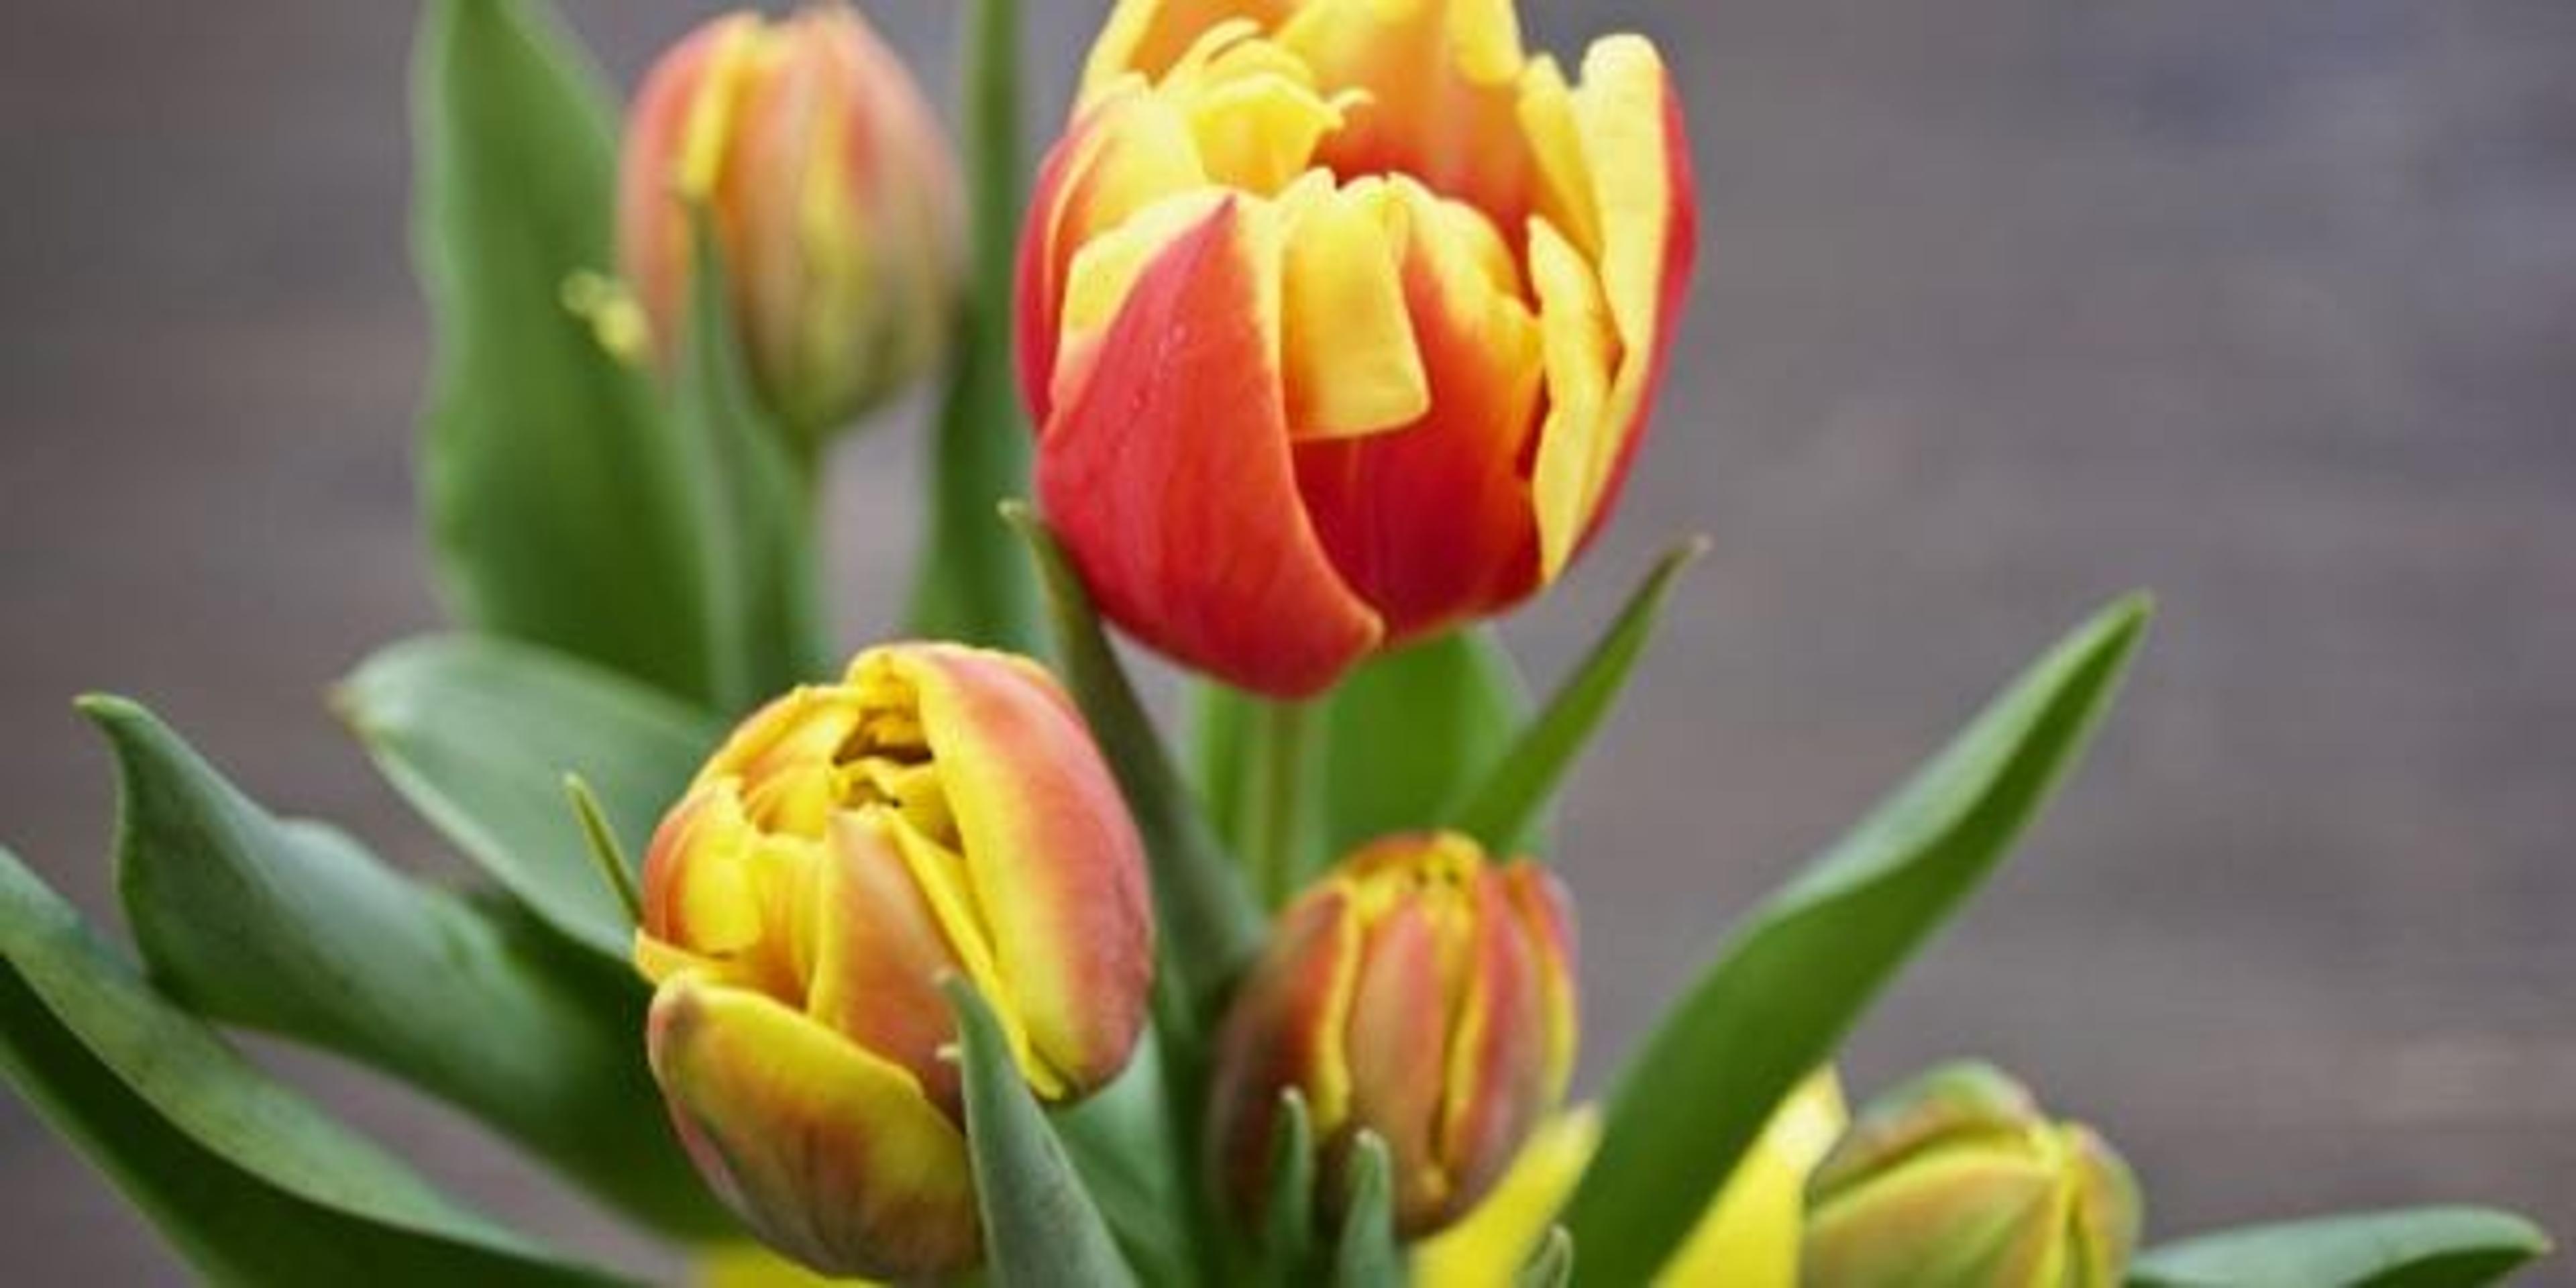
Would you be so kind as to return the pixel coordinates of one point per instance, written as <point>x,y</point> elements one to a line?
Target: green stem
<point>1280,750</point>
<point>971,582</point>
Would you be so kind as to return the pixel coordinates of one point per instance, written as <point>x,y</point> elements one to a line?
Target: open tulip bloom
<point>1337,325</point>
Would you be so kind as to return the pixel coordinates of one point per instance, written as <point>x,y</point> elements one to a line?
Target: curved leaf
<point>2432,1247</point>
<point>1040,1225</point>
<point>294,929</point>
<point>478,734</point>
<point>1210,926</point>
<point>1366,1255</point>
<point>555,498</point>
<point>248,1180</point>
<point>1796,974</point>
<point>1511,796</point>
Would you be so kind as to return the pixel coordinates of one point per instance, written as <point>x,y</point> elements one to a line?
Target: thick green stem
<point>1281,754</point>
<point>971,582</point>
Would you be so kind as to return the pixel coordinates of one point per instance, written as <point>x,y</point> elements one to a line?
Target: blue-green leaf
<point>293,928</point>
<point>1122,1143</point>
<point>557,508</point>
<point>1210,926</point>
<point>971,584</point>
<point>2431,1247</point>
<point>248,1180</point>
<point>1367,1255</point>
<point>1288,1219</point>
<point>1041,1228</point>
<point>1514,794</point>
<point>1796,974</point>
<point>478,734</point>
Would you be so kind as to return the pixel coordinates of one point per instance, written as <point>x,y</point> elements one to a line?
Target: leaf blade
<point>1041,1228</point>
<point>1796,974</point>
<point>2430,1247</point>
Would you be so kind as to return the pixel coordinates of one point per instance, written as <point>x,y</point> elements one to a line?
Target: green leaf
<point>1210,926</point>
<point>971,584</point>
<point>1040,1225</point>
<point>249,1181</point>
<point>1401,740</point>
<point>557,509</point>
<point>478,734</point>
<point>1122,1145</point>
<point>754,503</point>
<point>1288,1218</point>
<point>1552,1266</point>
<point>2430,1247</point>
<point>294,929</point>
<point>1800,970</point>
<point>1367,1255</point>
<point>1515,793</point>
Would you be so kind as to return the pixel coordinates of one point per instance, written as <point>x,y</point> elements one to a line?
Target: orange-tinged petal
<point>1546,914</point>
<point>1399,1026</point>
<point>698,887</point>
<point>879,954</point>
<point>1050,853</point>
<point>1431,523</point>
<point>834,1155</point>
<point>1287,1028</point>
<point>1496,1080</point>
<point>1166,472</point>
<point>1149,36</point>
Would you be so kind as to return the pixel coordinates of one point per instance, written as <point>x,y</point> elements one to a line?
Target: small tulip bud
<point>1957,1178</point>
<point>1418,993</point>
<point>832,195</point>
<point>942,809</point>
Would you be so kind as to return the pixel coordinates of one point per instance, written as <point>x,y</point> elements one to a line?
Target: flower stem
<point>972,582</point>
<point>1275,829</point>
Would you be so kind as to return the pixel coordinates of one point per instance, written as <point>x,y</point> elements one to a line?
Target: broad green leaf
<point>557,509</point>
<point>293,928</point>
<point>248,1180</point>
<point>971,584</point>
<point>754,504</point>
<point>1552,1266</point>
<point>1799,971</point>
<point>1366,1254</point>
<point>1210,927</point>
<point>1040,1225</point>
<point>1400,741</point>
<point>478,734</point>
<point>2430,1247</point>
<point>1514,793</point>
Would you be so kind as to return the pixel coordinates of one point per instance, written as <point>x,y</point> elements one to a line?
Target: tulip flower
<point>1341,319</point>
<point>942,809</point>
<point>1748,1237</point>
<point>832,196</point>
<point>1957,1179</point>
<point>1418,993</point>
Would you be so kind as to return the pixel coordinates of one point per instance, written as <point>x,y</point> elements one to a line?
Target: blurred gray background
<point>2008,306</point>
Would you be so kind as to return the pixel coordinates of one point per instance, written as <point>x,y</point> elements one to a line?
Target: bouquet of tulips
<point>1326,331</point>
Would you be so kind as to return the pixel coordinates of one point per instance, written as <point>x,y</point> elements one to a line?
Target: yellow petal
<point>1579,441</point>
<point>1749,1237</point>
<point>1490,1244</point>
<point>1347,351</point>
<point>749,1265</point>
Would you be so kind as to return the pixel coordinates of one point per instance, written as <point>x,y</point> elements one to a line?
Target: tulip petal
<point>1497,1075</point>
<point>1166,471</point>
<point>1432,523</point>
<point>1149,36</point>
<point>1346,341</point>
<point>834,1155</point>
<point>1399,1024</point>
<point>878,954</point>
<point>1491,1243</point>
<point>1441,85</point>
<point>1954,1218</point>
<point>1053,860</point>
<point>1629,118</point>
<point>1288,1028</point>
<point>1546,914</point>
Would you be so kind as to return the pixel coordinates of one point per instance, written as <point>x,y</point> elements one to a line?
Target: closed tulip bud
<point>1957,1178</point>
<point>1341,319</point>
<point>832,196</point>
<point>942,809</point>
<point>1418,993</point>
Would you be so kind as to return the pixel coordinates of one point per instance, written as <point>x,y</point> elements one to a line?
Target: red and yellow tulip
<point>940,810</point>
<point>1418,993</point>
<point>832,196</point>
<point>1341,319</point>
